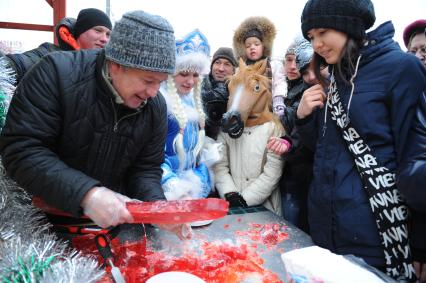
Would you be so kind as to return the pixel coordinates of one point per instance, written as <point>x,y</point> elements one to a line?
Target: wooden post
<point>59,12</point>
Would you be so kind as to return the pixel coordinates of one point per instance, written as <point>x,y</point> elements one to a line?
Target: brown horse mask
<point>250,99</point>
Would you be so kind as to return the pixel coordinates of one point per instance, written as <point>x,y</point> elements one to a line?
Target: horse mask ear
<point>260,66</point>
<point>242,65</point>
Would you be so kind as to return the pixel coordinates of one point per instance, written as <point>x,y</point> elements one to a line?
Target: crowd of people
<point>113,114</point>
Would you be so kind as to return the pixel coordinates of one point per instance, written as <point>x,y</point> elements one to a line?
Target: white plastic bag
<point>315,264</point>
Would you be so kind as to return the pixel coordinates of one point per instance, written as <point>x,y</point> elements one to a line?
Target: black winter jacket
<point>300,156</point>
<point>22,62</point>
<point>214,97</point>
<point>64,134</point>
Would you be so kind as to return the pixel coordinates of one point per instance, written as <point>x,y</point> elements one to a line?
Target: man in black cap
<point>90,30</point>
<point>214,90</point>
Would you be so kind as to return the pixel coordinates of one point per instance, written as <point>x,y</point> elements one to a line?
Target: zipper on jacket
<point>115,127</point>
<point>116,122</point>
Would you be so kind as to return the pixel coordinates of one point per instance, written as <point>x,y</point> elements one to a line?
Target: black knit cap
<point>253,33</point>
<point>89,18</point>
<point>225,53</point>
<point>352,17</point>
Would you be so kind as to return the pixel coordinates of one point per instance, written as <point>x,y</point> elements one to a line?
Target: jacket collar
<point>379,41</point>
<point>100,61</point>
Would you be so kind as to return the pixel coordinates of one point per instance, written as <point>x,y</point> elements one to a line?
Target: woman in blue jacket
<point>360,123</point>
<point>184,176</point>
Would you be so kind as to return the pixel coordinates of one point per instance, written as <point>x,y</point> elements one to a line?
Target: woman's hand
<point>312,97</point>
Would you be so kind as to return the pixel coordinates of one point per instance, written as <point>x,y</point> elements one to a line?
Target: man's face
<point>290,67</point>
<point>221,69</point>
<point>135,86</point>
<point>96,37</point>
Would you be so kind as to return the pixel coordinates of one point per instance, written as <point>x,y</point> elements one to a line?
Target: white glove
<point>211,152</point>
<point>183,231</point>
<point>179,189</point>
<point>106,208</point>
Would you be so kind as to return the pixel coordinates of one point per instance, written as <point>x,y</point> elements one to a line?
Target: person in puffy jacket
<point>359,128</point>
<point>91,30</point>
<point>214,90</point>
<point>86,130</point>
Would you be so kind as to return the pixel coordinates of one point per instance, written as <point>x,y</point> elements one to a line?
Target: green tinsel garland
<point>29,270</point>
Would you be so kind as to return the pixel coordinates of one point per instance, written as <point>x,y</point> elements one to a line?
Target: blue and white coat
<point>185,177</point>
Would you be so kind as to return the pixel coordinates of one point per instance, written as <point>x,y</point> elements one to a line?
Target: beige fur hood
<point>264,26</point>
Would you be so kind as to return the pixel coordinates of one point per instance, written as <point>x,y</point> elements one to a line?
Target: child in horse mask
<point>184,176</point>
<point>253,41</point>
<point>248,174</point>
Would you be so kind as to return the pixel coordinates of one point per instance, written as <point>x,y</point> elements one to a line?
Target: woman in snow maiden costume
<point>184,177</point>
<point>360,124</point>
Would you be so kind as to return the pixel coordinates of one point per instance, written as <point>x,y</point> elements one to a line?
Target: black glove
<point>235,200</point>
<point>215,110</point>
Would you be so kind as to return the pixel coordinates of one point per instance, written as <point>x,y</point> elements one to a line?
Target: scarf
<point>386,203</point>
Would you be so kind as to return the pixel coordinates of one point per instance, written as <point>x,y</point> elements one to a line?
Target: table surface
<point>226,228</point>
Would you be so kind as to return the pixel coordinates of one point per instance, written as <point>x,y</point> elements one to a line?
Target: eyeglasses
<point>421,50</point>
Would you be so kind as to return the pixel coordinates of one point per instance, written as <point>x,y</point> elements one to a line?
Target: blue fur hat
<point>193,53</point>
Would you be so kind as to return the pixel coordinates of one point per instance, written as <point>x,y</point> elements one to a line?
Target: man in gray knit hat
<point>86,130</point>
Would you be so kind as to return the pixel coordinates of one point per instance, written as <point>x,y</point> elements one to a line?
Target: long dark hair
<point>343,69</point>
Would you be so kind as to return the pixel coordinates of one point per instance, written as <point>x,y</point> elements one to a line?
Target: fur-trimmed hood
<point>264,26</point>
